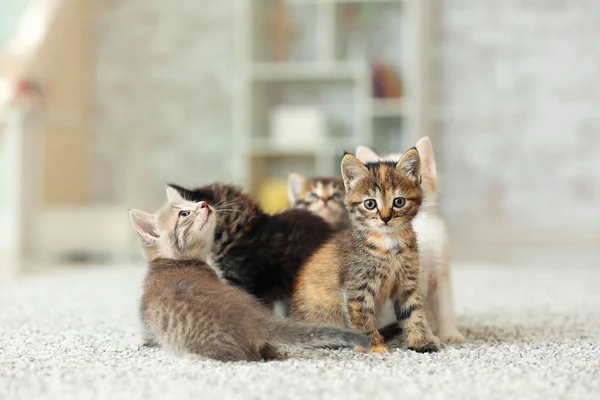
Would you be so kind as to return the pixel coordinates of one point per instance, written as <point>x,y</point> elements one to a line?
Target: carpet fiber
<point>533,334</point>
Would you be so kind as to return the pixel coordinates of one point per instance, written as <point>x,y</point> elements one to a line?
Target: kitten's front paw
<point>431,347</point>
<point>452,336</point>
<point>145,342</point>
<point>379,349</point>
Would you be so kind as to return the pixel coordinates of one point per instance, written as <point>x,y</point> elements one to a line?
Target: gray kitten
<point>187,309</point>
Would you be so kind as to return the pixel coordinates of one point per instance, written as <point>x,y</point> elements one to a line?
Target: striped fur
<point>349,279</point>
<point>435,283</point>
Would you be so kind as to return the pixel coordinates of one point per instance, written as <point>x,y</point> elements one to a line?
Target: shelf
<point>265,147</point>
<point>314,2</point>
<point>365,120</point>
<point>369,1</point>
<point>386,108</point>
<point>305,71</point>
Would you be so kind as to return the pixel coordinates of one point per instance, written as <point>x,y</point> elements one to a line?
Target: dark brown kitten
<point>258,252</point>
<point>188,310</point>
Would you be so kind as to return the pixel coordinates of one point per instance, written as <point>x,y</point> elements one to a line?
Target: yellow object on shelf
<point>272,195</point>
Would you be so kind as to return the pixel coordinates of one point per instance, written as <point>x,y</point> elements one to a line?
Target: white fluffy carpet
<point>533,334</point>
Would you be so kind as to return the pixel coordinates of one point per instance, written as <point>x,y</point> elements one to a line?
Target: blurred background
<point>102,102</point>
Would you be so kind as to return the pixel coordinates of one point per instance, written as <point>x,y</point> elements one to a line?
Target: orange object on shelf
<point>386,83</point>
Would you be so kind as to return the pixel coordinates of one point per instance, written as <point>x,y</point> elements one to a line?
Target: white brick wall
<point>519,101</point>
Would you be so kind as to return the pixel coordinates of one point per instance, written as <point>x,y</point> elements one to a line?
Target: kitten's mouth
<point>385,227</point>
<point>329,209</point>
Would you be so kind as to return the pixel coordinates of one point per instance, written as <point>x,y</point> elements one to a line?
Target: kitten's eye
<point>399,202</point>
<point>183,214</point>
<point>312,197</point>
<point>370,204</point>
<point>336,196</point>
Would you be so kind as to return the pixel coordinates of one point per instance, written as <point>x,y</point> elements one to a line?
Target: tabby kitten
<point>322,196</point>
<point>258,252</point>
<point>434,248</point>
<point>188,310</point>
<point>348,280</point>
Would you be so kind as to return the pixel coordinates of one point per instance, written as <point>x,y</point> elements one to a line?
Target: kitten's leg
<point>442,306</point>
<point>147,338</point>
<point>214,342</point>
<point>194,357</point>
<point>270,352</point>
<point>222,356</point>
<point>425,290</point>
<point>411,314</point>
<point>225,352</point>
<point>359,310</point>
<point>430,314</point>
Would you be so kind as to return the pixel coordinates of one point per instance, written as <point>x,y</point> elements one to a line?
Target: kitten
<point>348,280</point>
<point>322,196</point>
<point>258,252</point>
<point>434,246</point>
<point>186,308</point>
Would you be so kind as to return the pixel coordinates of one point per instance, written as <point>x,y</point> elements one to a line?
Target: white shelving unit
<point>260,83</point>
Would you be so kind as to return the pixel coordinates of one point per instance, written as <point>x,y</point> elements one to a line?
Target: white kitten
<point>434,247</point>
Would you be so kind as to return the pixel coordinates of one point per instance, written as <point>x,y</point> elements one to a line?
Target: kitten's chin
<point>324,213</point>
<point>207,223</point>
<point>329,212</point>
<point>207,230</point>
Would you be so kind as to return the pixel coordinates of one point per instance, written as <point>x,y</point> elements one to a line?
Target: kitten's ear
<point>425,149</point>
<point>173,195</point>
<point>352,170</point>
<point>183,192</point>
<point>145,225</point>
<point>410,165</point>
<point>295,184</point>
<point>365,154</point>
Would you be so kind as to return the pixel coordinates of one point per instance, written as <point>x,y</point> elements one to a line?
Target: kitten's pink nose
<point>204,206</point>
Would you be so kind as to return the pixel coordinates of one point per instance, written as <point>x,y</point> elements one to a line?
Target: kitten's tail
<point>287,333</point>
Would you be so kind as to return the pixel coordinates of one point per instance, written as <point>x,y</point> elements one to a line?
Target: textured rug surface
<point>532,334</point>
